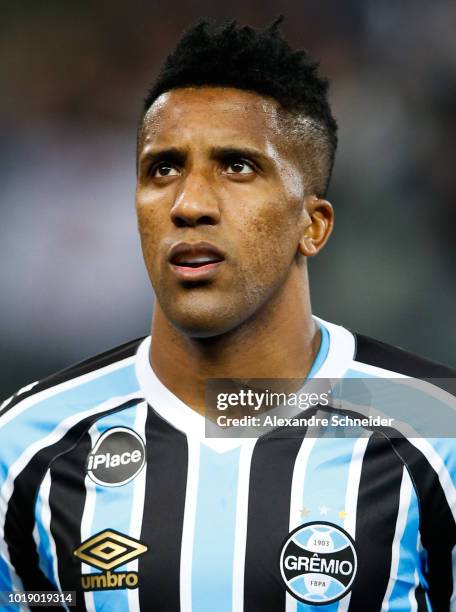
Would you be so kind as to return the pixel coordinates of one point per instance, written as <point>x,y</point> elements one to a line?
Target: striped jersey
<point>109,488</point>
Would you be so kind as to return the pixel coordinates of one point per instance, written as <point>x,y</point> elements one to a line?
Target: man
<point>109,486</point>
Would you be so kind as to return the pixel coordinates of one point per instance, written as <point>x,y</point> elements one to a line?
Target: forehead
<point>221,113</point>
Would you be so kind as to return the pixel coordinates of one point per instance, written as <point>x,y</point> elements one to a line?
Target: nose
<point>196,204</point>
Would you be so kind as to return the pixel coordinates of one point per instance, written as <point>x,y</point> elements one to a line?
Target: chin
<point>204,318</point>
<point>205,326</point>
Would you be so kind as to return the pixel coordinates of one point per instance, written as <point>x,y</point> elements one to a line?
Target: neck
<point>280,341</point>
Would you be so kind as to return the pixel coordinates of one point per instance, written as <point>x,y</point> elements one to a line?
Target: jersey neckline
<point>334,357</point>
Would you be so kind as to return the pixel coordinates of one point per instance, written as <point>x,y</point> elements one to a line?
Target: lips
<point>195,254</point>
<point>195,261</point>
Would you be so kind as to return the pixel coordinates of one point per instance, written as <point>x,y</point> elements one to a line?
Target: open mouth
<point>195,260</point>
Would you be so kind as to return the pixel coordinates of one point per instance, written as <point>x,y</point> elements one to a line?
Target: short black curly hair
<point>229,55</point>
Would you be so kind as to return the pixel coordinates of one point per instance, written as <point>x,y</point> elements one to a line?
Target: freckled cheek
<point>268,239</point>
<point>149,226</point>
<point>148,222</point>
<point>152,210</point>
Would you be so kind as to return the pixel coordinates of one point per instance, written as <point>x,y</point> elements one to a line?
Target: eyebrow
<point>172,154</point>
<point>178,156</point>
<point>223,153</point>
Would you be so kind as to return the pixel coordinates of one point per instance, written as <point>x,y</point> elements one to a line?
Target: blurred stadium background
<point>74,75</point>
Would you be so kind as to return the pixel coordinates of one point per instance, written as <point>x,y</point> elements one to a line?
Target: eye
<point>164,169</point>
<point>238,166</point>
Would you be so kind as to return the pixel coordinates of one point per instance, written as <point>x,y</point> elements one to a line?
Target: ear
<point>320,221</point>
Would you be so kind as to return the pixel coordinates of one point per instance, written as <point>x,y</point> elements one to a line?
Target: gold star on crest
<point>342,514</point>
<point>305,512</point>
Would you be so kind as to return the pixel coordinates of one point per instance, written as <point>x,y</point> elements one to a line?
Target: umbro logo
<point>105,551</point>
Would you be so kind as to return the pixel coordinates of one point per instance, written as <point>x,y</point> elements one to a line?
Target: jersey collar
<point>339,350</point>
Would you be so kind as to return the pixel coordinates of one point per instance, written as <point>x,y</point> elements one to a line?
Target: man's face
<point>220,204</point>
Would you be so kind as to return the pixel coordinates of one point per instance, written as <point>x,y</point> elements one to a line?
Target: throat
<point>185,364</point>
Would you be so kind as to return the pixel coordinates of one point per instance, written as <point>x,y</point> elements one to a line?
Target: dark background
<point>73,77</point>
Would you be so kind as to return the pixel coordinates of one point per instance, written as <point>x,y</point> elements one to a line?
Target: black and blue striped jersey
<point>110,488</point>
